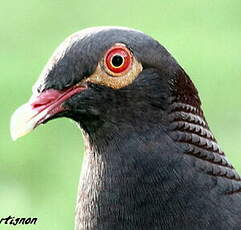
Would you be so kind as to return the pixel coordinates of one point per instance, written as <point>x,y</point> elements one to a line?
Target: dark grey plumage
<point>151,161</point>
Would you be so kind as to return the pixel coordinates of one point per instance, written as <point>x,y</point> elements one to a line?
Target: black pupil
<point>117,60</point>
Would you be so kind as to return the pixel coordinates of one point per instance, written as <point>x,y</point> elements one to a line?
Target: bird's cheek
<point>81,105</point>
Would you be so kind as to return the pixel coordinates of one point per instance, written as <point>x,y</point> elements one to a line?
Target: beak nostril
<point>45,98</point>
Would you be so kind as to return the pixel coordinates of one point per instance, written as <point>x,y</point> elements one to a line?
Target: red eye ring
<point>118,59</point>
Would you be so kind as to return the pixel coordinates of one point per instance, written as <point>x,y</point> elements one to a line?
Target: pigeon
<point>151,162</point>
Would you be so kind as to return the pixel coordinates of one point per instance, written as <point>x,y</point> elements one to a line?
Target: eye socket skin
<point>118,60</point>
<point>117,69</point>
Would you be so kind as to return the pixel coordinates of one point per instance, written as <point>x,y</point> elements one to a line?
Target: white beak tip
<point>22,121</point>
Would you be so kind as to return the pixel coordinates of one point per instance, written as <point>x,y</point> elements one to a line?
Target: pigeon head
<point>106,76</point>
<point>151,161</point>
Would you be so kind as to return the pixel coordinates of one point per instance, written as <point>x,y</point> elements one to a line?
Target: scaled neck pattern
<point>189,128</point>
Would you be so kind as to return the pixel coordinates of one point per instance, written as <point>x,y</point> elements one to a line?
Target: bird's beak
<point>40,108</point>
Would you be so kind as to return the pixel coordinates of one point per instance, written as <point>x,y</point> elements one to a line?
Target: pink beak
<point>40,108</point>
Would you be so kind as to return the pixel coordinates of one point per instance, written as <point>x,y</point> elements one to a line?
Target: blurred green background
<point>39,173</point>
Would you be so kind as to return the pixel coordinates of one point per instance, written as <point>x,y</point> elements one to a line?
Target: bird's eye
<point>118,59</point>
<point>117,68</point>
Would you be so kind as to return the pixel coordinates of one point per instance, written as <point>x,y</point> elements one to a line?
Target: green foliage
<point>39,173</point>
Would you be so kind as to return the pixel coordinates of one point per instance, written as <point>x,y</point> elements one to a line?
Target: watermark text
<point>12,220</point>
